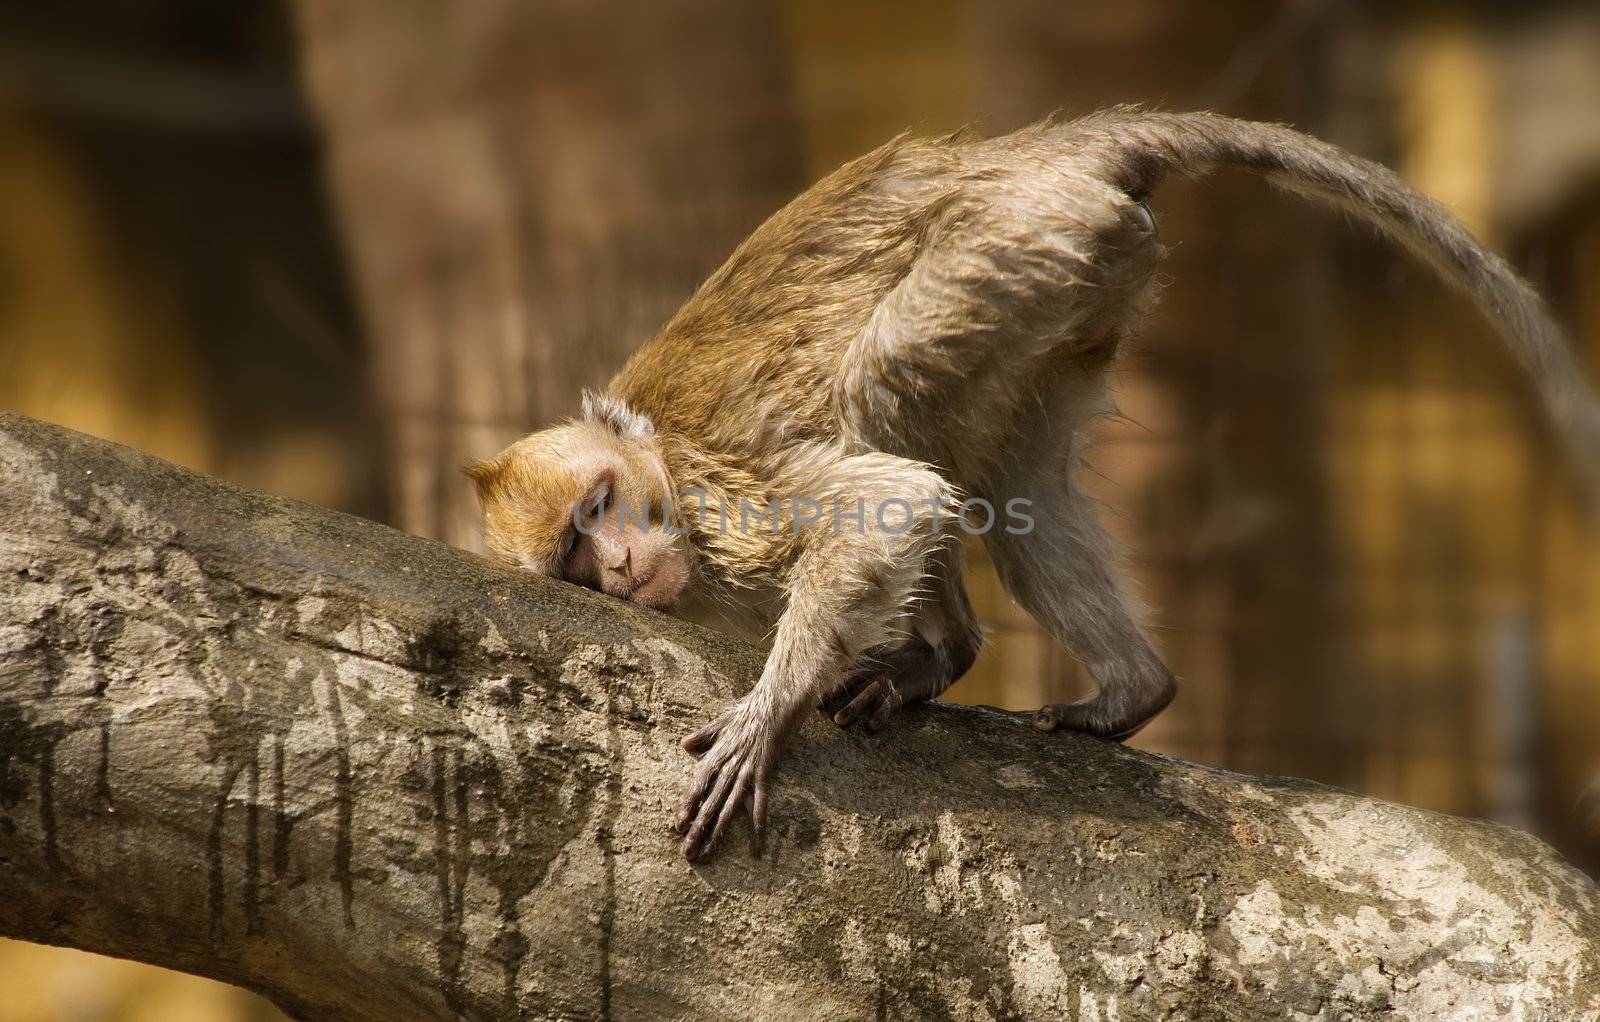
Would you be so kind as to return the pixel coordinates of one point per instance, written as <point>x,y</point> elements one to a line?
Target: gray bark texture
<point>374,777</point>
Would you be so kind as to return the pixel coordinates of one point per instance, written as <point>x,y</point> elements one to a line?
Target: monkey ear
<point>616,416</point>
<point>484,472</point>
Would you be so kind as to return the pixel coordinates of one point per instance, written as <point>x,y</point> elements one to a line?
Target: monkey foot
<point>875,698</point>
<point>736,755</point>
<point>1088,718</point>
<point>1117,711</point>
<point>1114,719</point>
<point>886,682</point>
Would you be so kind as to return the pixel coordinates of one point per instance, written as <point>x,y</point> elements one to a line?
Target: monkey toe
<point>869,697</point>
<point>887,708</point>
<point>846,703</point>
<point>879,701</point>
<point>886,679</point>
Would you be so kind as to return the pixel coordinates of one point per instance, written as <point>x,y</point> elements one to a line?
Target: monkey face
<point>587,502</point>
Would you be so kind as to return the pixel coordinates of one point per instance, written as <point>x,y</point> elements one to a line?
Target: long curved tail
<point>1144,146</point>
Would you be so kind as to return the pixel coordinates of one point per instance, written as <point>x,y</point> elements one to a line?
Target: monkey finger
<point>686,811</point>
<point>703,739</point>
<point>694,843</point>
<point>758,816</point>
<point>734,802</point>
<point>699,742</point>
<point>704,776</point>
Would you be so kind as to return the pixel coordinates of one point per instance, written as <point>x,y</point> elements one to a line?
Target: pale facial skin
<point>611,553</point>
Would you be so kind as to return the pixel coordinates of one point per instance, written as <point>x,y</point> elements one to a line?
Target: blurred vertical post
<point>529,188</point>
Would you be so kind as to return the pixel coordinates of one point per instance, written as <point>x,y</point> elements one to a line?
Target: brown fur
<point>527,500</point>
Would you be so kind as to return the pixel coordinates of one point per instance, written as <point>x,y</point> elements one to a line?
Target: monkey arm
<point>739,749</point>
<point>847,591</point>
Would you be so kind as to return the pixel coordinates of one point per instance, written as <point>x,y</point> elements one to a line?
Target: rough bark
<point>373,777</point>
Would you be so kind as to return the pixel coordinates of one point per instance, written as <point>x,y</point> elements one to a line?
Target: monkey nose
<point>623,565</point>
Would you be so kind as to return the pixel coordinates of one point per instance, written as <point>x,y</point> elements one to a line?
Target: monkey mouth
<point>654,590</point>
<point>638,589</point>
<point>638,584</point>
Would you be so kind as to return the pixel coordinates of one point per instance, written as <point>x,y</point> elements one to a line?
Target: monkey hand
<point>737,752</point>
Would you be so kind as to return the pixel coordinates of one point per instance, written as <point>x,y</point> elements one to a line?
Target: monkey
<point>934,323</point>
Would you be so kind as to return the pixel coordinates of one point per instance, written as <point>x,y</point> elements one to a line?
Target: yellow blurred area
<point>90,339</point>
<point>46,984</point>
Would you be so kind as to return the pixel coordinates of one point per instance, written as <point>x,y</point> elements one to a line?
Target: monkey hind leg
<point>1061,572</point>
<point>1071,590</point>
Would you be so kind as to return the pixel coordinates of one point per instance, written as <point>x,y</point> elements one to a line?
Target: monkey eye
<point>569,539</point>
<point>1143,216</point>
<point>593,508</point>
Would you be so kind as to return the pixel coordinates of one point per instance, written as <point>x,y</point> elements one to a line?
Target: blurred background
<point>333,248</point>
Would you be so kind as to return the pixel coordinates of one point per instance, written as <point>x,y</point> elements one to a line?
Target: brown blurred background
<point>332,248</point>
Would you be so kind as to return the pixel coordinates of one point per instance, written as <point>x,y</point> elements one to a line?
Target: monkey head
<point>588,501</point>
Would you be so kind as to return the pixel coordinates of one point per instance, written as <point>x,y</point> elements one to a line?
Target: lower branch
<point>373,777</point>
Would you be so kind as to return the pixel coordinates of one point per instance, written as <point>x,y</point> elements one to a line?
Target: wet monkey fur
<point>933,322</point>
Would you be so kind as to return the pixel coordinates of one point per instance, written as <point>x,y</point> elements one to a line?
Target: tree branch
<point>373,777</point>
